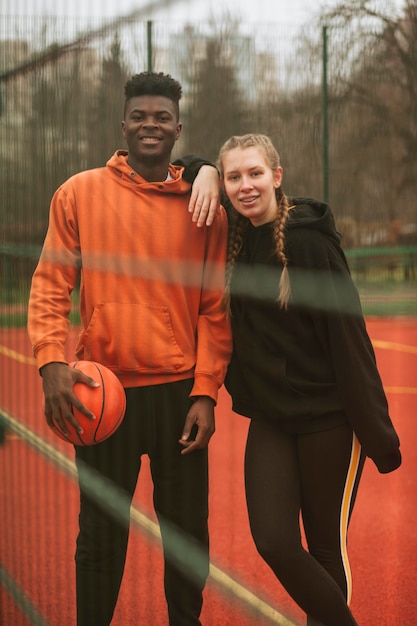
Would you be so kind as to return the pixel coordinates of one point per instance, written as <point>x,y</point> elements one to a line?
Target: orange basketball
<point>107,402</point>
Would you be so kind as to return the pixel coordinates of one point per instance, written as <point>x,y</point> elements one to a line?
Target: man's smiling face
<point>151,128</point>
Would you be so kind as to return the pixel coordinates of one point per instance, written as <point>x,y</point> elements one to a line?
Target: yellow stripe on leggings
<point>344,518</point>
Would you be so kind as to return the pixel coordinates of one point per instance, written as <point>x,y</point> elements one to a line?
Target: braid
<point>236,232</point>
<point>279,238</point>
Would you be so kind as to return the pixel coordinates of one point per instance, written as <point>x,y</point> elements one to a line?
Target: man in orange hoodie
<point>150,293</point>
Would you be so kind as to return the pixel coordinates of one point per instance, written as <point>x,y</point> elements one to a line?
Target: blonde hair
<point>240,223</point>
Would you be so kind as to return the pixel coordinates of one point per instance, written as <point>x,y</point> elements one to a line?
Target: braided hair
<point>239,223</point>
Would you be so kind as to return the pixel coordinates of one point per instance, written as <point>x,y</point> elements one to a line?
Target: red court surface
<point>39,508</point>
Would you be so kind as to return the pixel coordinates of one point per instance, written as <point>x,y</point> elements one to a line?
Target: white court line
<point>223,580</point>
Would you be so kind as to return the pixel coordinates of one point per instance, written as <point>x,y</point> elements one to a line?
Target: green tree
<point>106,108</point>
<point>215,108</point>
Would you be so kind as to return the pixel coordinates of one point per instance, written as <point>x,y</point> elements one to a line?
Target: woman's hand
<point>205,196</point>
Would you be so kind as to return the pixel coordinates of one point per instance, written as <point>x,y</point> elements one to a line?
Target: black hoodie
<point>311,366</point>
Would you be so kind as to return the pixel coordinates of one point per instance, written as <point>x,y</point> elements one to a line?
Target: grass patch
<point>380,297</point>
<point>14,305</point>
<point>388,298</point>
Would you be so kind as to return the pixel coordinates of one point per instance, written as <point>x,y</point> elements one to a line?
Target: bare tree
<point>377,91</point>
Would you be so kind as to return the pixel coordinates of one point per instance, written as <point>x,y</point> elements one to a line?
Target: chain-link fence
<point>338,99</point>
<point>338,102</point>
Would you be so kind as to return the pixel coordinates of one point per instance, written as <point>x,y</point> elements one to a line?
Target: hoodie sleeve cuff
<point>49,353</point>
<point>192,165</point>
<point>205,386</point>
<point>388,462</point>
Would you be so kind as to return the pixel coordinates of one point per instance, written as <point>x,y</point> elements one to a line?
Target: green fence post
<point>149,42</point>
<point>325,106</point>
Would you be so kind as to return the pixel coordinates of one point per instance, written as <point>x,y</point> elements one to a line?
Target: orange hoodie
<point>151,281</point>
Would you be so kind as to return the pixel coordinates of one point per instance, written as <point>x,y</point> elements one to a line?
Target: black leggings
<point>316,474</point>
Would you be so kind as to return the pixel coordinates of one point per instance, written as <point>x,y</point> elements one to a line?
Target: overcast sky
<point>290,11</point>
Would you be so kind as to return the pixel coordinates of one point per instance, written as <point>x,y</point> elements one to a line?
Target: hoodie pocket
<point>132,337</point>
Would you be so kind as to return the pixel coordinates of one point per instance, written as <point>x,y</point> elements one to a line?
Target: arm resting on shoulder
<point>205,196</point>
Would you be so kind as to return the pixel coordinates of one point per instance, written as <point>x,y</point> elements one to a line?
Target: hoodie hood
<point>312,214</point>
<point>127,176</point>
<point>308,220</point>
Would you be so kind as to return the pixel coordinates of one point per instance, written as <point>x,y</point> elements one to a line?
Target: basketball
<point>107,402</point>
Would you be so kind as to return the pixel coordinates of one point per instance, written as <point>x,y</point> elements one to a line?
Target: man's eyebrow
<point>162,111</point>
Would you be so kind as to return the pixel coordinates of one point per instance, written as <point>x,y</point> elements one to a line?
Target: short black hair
<point>155,84</point>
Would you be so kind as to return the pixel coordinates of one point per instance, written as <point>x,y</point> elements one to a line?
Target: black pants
<point>152,425</point>
<point>317,475</point>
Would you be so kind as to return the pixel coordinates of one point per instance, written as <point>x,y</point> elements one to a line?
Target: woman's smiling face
<point>250,183</point>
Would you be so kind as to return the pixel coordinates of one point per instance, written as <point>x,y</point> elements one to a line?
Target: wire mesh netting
<point>338,99</point>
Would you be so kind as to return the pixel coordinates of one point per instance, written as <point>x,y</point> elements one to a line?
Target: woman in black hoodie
<point>303,370</point>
